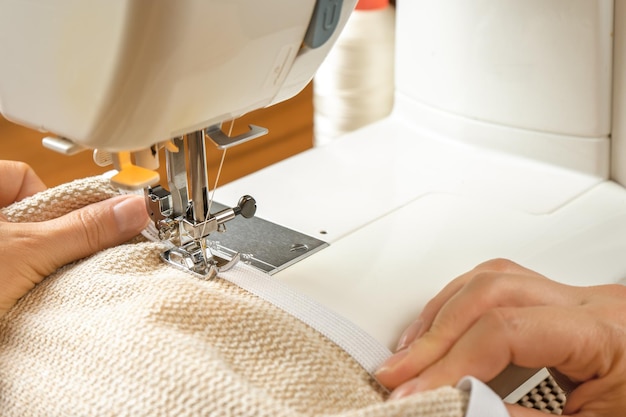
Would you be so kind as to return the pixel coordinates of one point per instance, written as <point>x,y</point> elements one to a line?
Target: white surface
<point>590,155</point>
<point>532,64</point>
<point>532,78</point>
<point>403,223</point>
<point>499,146</point>
<point>345,185</point>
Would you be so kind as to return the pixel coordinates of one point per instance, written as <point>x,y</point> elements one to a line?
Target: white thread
<point>217,178</point>
<point>354,86</point>
<point>219,169</point>
<point>219,173</point>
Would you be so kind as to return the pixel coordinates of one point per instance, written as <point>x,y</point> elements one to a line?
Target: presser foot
<point>199,260</point>
<point>192,251</point>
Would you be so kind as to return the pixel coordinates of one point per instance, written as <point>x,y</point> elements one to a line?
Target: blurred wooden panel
<point>290,127</point>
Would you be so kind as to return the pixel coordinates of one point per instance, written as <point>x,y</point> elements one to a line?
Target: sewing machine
<point>506,139</point>
<point>129,78</point>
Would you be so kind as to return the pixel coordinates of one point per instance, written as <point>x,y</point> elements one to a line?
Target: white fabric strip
<point>483,402</point>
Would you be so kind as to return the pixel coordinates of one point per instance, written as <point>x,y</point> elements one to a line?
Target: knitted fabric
<point>121,333</point>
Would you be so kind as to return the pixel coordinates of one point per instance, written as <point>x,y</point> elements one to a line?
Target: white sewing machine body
<point>507,125</point>
<point>126,74</point>
<point>130,77</point>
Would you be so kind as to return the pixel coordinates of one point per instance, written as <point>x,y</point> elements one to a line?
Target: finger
<point>433,307</point>
<point>423,322</point>
<point>86,231</point>
<point>430,311</point>
<point>520,336</point>
<point>486,280</point>
<point>484,292</point>
<point>410,334</point>
<point>17,181</point>
<point>492,289</point>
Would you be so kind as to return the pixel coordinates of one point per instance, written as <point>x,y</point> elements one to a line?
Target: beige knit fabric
<point>121,333</point>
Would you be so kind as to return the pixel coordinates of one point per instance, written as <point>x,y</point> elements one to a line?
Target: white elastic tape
<point>363,348</point>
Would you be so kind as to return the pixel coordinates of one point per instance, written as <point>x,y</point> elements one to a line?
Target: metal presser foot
<point>199,256</point>
<point>187,222</point>
<point>198,260</point>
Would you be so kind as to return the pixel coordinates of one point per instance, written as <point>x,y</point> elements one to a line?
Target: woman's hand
<point>31,251</point>
<point>501,313</point>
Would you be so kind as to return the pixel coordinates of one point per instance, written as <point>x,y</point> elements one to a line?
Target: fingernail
<point>392,362</point>
<point>410,334</point>
<point>131,215</point>
<point>406,389</point>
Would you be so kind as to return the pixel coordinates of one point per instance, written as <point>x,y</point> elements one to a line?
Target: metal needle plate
<point>263,244</point>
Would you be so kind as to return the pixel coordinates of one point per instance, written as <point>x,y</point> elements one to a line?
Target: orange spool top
<point>372,4</point>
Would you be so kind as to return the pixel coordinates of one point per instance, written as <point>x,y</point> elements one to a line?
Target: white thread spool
<point>354,86</point>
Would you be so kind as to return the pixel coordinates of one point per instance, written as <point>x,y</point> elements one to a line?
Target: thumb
<point>90,229</point>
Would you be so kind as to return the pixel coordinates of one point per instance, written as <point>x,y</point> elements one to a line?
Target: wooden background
<point>290,127</point>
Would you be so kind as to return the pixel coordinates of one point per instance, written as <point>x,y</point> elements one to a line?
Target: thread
<point>354,86</point>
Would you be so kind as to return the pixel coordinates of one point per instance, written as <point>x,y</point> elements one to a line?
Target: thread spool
<point>354,86</point>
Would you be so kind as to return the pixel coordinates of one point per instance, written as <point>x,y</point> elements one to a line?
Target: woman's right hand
<point>501,313</point>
